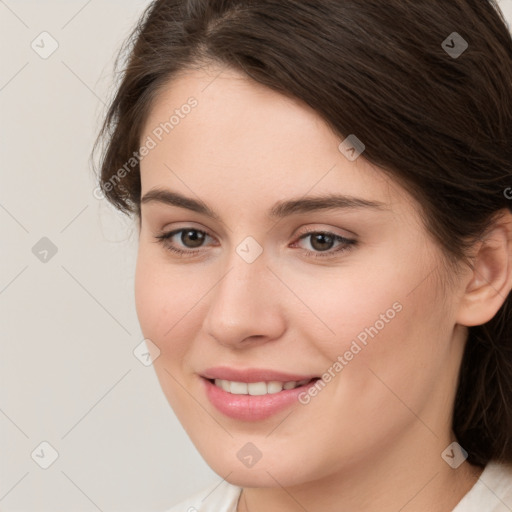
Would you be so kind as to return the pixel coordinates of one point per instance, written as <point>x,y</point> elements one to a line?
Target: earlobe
<point>490,278</point>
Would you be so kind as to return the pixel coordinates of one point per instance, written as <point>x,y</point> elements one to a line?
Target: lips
<point>238,393</point>
<point>253,375</point>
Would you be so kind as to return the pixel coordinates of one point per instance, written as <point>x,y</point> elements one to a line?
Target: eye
<point>191,238</point>
<point>322,242</point>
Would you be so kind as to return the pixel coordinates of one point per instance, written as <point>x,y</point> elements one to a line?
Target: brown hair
<point>438,122</point>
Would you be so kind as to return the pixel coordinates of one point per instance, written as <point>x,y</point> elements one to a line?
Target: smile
<point>257,400</point>
<point>257,388</point>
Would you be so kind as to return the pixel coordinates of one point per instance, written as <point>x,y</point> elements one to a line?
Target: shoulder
<point>217,497</point>
<point>492,492</point>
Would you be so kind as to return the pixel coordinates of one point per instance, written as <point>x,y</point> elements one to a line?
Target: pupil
<point>195,236</point>
<point>319,238</point>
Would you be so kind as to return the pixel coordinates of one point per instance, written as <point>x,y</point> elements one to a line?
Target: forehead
<point>243,138</point>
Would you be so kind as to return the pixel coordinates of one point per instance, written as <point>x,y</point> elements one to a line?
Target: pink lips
<point>248,407</point>
<point>252,375</point>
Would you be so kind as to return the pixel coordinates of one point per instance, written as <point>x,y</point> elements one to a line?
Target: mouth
<point>259,388</point>
<point>254,395</point>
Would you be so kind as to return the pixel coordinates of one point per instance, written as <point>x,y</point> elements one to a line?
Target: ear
<point>490,279</point>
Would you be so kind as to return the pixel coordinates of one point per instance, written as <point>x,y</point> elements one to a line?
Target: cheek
<point>385,359</point>
<point>147,293</point>
<point>163,296</point>
<point>341,305</point>
<point>164,300</point>
<point>375,327</point>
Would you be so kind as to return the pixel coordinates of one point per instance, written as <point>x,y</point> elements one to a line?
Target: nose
<point>245,306</point>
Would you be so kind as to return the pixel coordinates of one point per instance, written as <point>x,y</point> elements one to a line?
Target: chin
<point>267,472</point>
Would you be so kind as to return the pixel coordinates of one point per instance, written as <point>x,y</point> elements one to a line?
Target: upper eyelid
<point>329,231</point>
<point>306,231</point>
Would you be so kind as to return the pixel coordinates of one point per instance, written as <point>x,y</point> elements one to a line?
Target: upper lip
<point>252,375</point>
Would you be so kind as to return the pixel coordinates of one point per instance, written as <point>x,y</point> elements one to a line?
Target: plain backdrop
<point>73,396</point>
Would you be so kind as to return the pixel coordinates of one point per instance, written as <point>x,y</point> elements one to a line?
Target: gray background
<point>68,375</point>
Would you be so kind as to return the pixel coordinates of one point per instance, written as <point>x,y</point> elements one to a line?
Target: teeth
<point>274,387</point>
<point>257,388</point>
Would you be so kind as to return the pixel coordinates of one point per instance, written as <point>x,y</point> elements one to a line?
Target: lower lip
<point>250,407</point>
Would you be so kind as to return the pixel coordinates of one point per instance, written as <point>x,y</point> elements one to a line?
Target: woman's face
<point>299,261</point>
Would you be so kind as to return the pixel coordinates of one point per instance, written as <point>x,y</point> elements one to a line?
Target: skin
<point>372,439</point>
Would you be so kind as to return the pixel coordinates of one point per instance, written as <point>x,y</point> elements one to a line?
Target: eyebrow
<point>279,210</point>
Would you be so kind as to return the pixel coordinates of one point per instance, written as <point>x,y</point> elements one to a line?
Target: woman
<point>322,192</point>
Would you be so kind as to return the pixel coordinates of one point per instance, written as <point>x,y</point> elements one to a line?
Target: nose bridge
<point>241,304</point>
<point>247,272</point>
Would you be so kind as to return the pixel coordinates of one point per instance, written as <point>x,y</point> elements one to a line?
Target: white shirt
<point>491,493</point>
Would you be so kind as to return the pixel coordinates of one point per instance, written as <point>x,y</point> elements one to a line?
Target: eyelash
<point>347,243</point>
